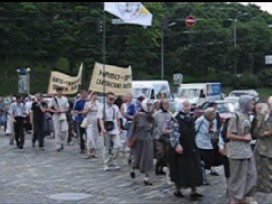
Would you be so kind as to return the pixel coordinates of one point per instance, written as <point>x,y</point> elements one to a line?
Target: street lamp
<point>165,24</point>
<point>23,80</point>
<point>235,20</point>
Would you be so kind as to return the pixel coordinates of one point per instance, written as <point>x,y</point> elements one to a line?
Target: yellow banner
<point>69,83</point>
<point>115,79</point>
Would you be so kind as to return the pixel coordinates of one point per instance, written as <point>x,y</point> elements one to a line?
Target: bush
<point>265,76</point>
<point>225,78</point>
<point>246,81</point>
<point>63,65</point>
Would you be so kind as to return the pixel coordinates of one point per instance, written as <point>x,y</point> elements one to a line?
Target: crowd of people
<point>183,147</point>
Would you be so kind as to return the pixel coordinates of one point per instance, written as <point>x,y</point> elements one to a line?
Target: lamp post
<point>165,24</point>
<point>235,20</point>
<point>23,80</point>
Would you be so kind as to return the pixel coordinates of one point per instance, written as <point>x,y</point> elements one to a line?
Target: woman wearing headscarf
<point>161,140</point>
<point>243,175</point>
<point>206,131</point>
<point>90,109</point>
<point>263,148</point>
<point>184,158</point>
<point>142,153</point>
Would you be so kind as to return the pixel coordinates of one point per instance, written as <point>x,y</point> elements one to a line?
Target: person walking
<point>243,174</point>
<point>37,121</point>
<point>90,109</point>
<point>206,129</point>
<point>141,131</point>
<point>184,157</point>
<point>59,106</point>
<point>78,110</point>
<point>161,140</point>
<point>109,121</point>
<point>18,113</point>
<point>263,148</point>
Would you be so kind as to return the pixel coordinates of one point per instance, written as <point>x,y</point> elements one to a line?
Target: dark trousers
<point>226,166</point>
<point>19,131</point>
<point>38,133</point>
<point>80,132</point>
<point>162,148</point>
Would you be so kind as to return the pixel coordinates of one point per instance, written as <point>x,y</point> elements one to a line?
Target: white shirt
<point>112,113</point>
<point>62,104</point>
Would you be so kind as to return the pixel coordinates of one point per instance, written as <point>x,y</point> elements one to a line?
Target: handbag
<point>132,142</point>
<point>84,123</point>
<point>109,125</point>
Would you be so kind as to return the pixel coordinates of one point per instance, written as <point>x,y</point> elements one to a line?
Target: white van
<point>153,89</point>
<point>198,93</point>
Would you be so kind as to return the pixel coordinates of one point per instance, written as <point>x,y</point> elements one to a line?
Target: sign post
<point>190,21</point>
<point>23,80</point>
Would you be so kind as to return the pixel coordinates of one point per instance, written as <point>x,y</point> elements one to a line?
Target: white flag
<point>130,12</point>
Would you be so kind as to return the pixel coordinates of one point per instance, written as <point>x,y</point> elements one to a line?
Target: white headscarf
<point>144,106</point>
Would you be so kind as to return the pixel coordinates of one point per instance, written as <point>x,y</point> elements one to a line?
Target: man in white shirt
<point>17,113</point>
<point>111,136</point>
<point>59,106</point>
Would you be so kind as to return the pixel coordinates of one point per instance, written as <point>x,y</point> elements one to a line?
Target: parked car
<point>251,92</point>
<point>225,109</point>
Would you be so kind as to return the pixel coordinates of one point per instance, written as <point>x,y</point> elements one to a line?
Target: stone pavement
<point>34,176</point>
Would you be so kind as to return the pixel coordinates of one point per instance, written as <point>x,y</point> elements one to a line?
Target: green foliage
<point>62,64</point>
<point>265,77</point>
<point>246,81</point>
<point>61,35</point>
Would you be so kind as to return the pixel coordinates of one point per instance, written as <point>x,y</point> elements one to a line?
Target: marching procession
<point>177,145</point>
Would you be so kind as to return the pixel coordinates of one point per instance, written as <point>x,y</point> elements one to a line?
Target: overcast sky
<point>266,6</point>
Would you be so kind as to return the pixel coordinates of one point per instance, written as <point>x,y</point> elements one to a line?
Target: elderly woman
<point>184,158</point>
<point>161,140</point>
<point>263,148</point>
<point>141,130</point>
<point>206,134</point>
<point>243,175</point>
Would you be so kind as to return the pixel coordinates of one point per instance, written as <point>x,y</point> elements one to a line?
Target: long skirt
<point>143,155</point>
<point>243,178</point>
<point>264,170</point>
<point>185,171</point>
<point>92,135</point>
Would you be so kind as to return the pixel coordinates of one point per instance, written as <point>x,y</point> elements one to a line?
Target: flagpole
<point>104,62</point>
<point>104,51</point>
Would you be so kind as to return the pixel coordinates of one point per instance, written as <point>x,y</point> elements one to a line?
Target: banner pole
<point>104,52</point>
<point>104,62</point>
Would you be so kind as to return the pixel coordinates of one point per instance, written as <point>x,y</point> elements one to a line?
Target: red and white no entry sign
<point>190,21</point>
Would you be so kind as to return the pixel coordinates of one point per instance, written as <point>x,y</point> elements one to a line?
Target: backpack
<point>224,129</point>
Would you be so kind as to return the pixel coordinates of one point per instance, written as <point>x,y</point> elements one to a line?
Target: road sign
<point>268,59</point>
<point>190,21</point>
<point>178,78</point>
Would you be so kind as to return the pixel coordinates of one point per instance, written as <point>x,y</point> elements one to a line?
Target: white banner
<point>69,83</point>
<point>130,12</point>
<point>115,79</point>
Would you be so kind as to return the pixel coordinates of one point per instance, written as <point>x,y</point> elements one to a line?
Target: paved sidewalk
<point>34,176</point>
